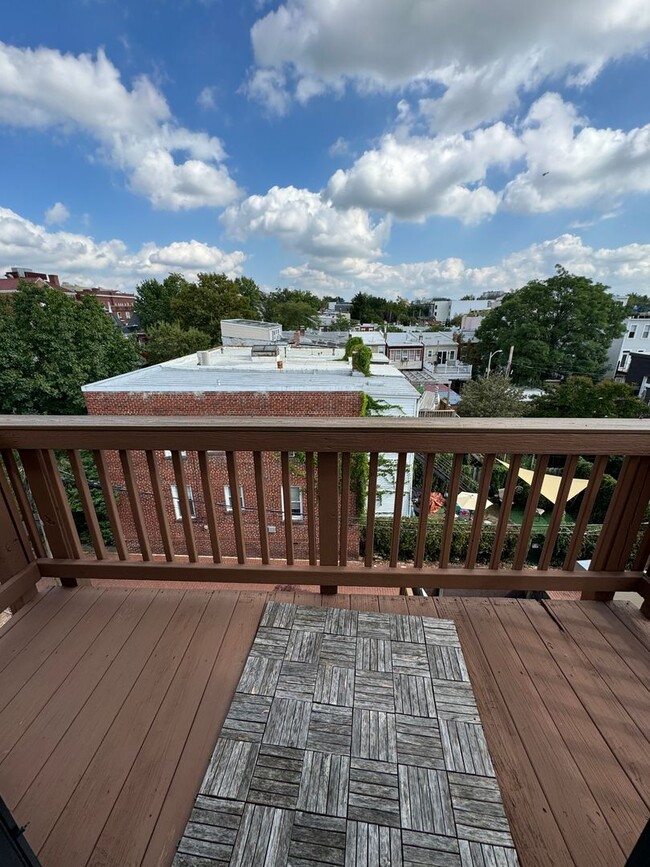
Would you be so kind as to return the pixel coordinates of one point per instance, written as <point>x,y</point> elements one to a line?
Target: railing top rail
<point>385,434</point>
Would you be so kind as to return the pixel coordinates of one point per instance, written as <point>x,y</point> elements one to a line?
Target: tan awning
<point>551,484</point>
<point>467,501</point>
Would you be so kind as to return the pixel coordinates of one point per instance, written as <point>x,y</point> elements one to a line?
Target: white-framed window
<point>168,453</point>
<point>452,355</point>
<point>177,503</point>
<point>297,513</point>
<point>632,332</point>
<point>429,353</point>
<point>228,497</point>
<point>646,332</point>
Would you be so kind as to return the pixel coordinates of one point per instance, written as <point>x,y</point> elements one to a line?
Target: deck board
<point>120,721</point>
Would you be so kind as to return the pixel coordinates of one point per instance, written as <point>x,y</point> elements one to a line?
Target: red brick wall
<point>253,404</point>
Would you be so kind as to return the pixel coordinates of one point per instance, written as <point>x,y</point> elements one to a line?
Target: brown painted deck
<point>111,701</point>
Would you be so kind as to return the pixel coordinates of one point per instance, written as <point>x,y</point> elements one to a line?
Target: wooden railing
<point>288,515</point>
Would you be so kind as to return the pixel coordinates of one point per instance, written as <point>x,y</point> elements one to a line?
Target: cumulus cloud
<point>205,99</point>
<point>80,259</point>
<point>513,45</point>
<point>174,167</point>
<point>268,87</point>
<point>57,214</point>
<point>625,268</point>
<point>308,223</point>
<point>417,176</point>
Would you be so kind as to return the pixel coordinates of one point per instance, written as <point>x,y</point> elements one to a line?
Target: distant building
<point>637,373</point>
<point>636,338</point>
<point>248,332</point>
<point>118,304</point>
<point>9,283</point>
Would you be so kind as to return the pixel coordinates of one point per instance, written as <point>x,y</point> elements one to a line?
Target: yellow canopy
<point>551,484</point>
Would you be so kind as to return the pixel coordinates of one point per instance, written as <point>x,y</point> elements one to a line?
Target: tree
<point>169,340</point>
<point>292,308</point>
<point>580,397</point>
<point>559,327</point>
<point>51,345</point>
<point>493,396</point>
<point>339,323</point>
<point>153,303</point>
<point>367,308</point>
<point>637,303</point>
<point>214,297</point>
<point>468,298</point>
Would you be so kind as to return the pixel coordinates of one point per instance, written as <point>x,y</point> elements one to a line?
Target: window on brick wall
<point>296,503</point>
<point>177,503</point>
<point>228,497</point>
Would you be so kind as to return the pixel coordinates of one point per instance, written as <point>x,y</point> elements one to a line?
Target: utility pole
<point>509,364</point>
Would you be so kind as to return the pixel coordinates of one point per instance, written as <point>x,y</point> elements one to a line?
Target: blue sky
<point>411,148</point>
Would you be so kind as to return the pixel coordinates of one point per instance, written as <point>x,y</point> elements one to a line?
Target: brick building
<point>118,304</point>
<point>237,382</point>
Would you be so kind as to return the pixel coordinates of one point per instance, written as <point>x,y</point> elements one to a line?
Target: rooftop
<point>256,322</point>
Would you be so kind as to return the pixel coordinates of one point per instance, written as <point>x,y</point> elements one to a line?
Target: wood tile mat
<point>353,739</point>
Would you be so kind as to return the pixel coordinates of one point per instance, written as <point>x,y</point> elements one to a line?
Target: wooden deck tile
<point>263,838</point>
<point>418,742</point>
<point>484,855</point>
<point>431,849</point>
<point>324,784</point>
<point>368,845</point>
<point>330,729</point>
<point>374,735</point>
<point>276,778</point>
<point>414,695</point>
<point>340,621</point>
<point>334,685</point>
<point>425,801</point>
<point>297,680</point>
<point>317,841</point>
<point>247,717</point>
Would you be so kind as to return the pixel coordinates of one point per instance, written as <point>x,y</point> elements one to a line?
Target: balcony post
<point>14,557</point>
<point>328,513</point>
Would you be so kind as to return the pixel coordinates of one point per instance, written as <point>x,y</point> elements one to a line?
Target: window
<point>228,497</point>
<point>429,353</point>
<point>168,454</point>
<point>646,332</point>
<point>177,503</point>
<point>632,332</point>
<point>296,503</point>
<point>452,355</point>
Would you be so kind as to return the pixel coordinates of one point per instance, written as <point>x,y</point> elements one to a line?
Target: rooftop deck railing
<point>44,472</point>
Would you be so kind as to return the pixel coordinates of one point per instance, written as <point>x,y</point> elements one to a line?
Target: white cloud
<point>511,46</point>
<point>80,259</point>
<point>205,99</point>
<point>268,87</point>
<point>625,268</point>
<point>340,147</point>
<point>415,177</point>
<point>57,214</point>
<point>173,166</point>
<point>306,222</point>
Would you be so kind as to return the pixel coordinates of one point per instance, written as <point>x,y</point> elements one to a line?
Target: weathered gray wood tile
<point>260,675</point>
<point>353,739</point>
<point>276,778</point>
<point>339,649</point>
<point>324,784</point>
<point>341,621</point>
<point>374,735</point>
<point>230,770</point>
<point>484,855</point>
<point>374,793</point>
<point>370,845</point>
<point>425,800</point>
<point>247,717</point>
<point>330,729</point>
<point>418,742</point>
<point>334,685</point>
<point>410,658</point>
<point>374,690</point>
<point>464,748</point>
<point>264,837</point>
<point>434,850</point>
<point>317,841</point>
<point>373,654</point>
<point>455,700</point>
<point>414,695</point>
<point>303,646</point>
<point>288,723</point>
<point>447,663</point>
<point>297,680</point>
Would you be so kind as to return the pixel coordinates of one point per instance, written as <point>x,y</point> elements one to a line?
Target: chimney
<point>280,364</point>
<point>296,338</point>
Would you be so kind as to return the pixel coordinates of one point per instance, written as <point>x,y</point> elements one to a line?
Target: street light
<point>492,354</point>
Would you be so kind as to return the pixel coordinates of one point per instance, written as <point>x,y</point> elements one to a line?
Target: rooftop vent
<point>203,358</point>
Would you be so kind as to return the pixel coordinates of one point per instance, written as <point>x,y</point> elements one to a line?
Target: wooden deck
<point>111,701</point>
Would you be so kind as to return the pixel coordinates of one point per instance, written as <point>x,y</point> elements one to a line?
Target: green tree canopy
<point>367,308</point>
<point>339,323</point>
<point>558,327</point>
<point>491,397</point>
<point>214,297</point>
<point>153,302</point>
<point>580,397</point>
<point>51,345</point>
<point>169,340</point>
<point>292,308</point>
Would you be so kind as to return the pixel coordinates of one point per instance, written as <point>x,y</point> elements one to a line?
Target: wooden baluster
<point>16,517</point>
<point>643,554</point>
<point>233,479</point>
<point>631,518</point>
<point>530,511</point>
<point>261,507</point>
<point>311,508</point>
<point>450,511</point>
<point>208,501</point>
<point>286,507</point>
<point>479,511</point>
<point>18,576</point>
<point>371,508</point>
<point>111,505</point>
<point>553,528</point>
<point>423,523</point>
<point>506,508</point>
<point>25,506</point>
<point>87,503</point>
<point>184,505</point>
<point>397,509</point>
<point>161,509</point>
<point>128,469</point>
<point>588,499</point>
<point>328,513</point>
